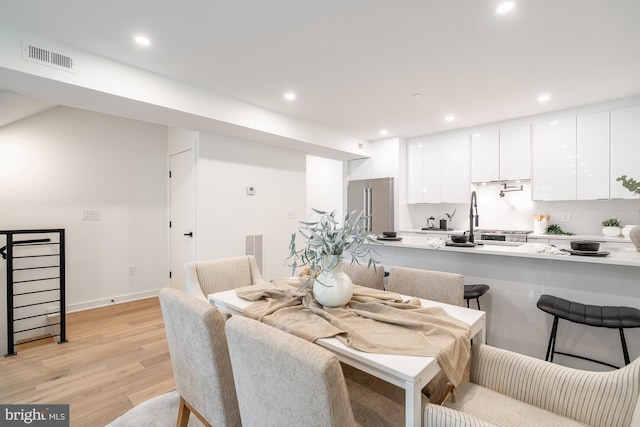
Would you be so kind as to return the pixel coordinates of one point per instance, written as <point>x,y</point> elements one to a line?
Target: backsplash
<point>515,211</point>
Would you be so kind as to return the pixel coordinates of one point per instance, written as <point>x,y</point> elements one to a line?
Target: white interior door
<point>182,212</point>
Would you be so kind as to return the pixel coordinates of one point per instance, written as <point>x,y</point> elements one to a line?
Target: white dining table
<point>412,373</point>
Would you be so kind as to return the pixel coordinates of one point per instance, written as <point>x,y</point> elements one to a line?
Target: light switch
<point>251,191</point>
<point>90,214</point>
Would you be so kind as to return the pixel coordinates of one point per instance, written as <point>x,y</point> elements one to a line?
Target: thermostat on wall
<point>251,191</point>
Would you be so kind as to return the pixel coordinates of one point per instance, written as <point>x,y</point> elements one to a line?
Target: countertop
<point>598,237</point>
<point>618,254</point>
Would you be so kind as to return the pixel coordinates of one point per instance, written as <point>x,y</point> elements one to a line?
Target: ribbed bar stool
<point>475,292</point>
<point>590,315</point>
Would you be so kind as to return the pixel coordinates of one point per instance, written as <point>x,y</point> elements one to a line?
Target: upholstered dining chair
<point>217,275</point>
<point>427,284</point>
<point>200,360</point>
<point>363,276</point>
<point>510,389</point>
<point>436,286</point>
<point>283,380</point>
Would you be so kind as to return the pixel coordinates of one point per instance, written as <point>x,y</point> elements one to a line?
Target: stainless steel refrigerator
<point>375,198</point>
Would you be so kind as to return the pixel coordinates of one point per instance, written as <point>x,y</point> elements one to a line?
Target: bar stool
<point>475,292</point>
<point>590,315</point>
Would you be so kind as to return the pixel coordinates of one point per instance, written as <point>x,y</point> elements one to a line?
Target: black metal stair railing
<point>35,286</point>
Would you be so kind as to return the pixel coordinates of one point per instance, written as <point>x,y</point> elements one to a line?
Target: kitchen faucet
<point>474,204</point>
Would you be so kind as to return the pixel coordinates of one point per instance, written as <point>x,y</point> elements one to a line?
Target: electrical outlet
<point>566,217</point>
<point>132,270</point>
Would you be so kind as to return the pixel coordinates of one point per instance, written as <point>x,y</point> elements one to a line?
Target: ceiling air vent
<point>40,55</point>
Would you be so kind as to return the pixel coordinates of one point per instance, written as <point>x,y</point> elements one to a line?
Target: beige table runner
<point>373,321</point>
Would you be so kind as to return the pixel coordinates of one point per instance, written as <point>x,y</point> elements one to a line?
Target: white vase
<point>611,231</point>
<point>626,230</point>
<point>634,235</point>
<point>332,288</point>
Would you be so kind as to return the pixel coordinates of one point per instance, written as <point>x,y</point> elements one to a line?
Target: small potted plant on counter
<point>443,222</point>
<point>632,232</point>
<point>611,227</point>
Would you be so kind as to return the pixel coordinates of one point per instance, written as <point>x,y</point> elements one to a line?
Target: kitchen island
<point>518,275</point>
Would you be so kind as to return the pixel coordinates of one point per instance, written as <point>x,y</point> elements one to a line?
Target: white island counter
<point>518,275</point>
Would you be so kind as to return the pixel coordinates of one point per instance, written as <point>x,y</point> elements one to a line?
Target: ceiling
<point>356,64</point>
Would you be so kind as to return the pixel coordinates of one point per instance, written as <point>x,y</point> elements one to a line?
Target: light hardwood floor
<point>116,357</point>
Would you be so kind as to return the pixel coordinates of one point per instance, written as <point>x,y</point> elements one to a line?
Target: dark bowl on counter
<point>459,238</point>
<point>585,245</point>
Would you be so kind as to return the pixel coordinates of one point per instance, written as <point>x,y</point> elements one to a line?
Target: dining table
<point>411,373</point>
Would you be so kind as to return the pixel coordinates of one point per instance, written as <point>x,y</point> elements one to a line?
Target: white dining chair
<point>200,359</point>
<point>435,286</point>
<point>216,275</point>
<point>283,380</point>
<point>427,284</point>
<point>365,276</point>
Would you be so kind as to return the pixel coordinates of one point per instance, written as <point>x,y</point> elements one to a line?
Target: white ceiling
<point>355,64</point>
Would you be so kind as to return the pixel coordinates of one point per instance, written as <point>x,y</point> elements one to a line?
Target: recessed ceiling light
<point>384,132</point>
<point>417,95</point>
<point>544,97</point>
<point>553,123</point>
<point>505,7</point>
<point>450,118</point>
<point>142,40</point>
<point>290,96</point>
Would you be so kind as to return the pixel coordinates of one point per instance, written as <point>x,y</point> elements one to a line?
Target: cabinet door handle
<point>190,234</point>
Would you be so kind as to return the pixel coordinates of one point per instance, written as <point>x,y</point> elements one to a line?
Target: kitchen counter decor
<point>327,241</point>
<point>633,186</point>
<point>611,227</point>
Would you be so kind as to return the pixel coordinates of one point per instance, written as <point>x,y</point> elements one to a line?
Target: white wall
<point>63,160</point>
<point>325,184</point>
<point>226,214</point>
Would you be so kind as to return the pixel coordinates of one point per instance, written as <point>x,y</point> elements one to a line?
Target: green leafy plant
<point>611,222</point>
<point>630,184</point>
<point>555,229</point>
<point>328,237</point>
<point>450,216</point>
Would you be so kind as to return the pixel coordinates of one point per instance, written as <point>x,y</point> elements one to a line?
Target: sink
<point>500,243</point>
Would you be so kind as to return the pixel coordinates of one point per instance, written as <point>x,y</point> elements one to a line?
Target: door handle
<point>190,234</point>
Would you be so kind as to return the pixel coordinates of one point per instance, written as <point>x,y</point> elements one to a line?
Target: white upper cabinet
<point>625,149</point>
<point>414,172</point>
<point>485,155</point>
<point>502,154</point>
<point>515,152</point>
<point>359,169</point>
<point>554,159</point>
<point>431,173</point>
<point>455,168</point>
<point>384,158</point>
<point>438,169</point>
<point>382,163</point>
<point>592,149</point>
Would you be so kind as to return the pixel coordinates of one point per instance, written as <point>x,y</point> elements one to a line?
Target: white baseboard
<point>110,301</point>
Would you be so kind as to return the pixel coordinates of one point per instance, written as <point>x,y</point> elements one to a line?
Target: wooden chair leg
<point>183,413</point>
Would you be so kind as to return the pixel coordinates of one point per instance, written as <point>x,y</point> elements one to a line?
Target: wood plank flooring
<point>116,357</point>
